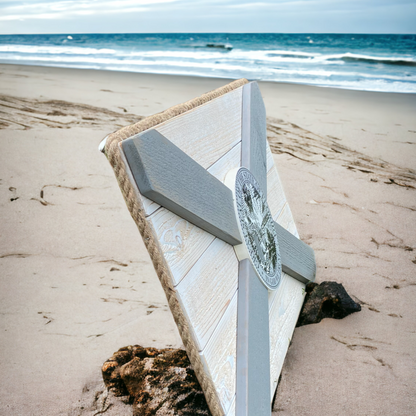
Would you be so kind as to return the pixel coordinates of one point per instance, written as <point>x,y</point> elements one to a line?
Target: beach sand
<point>77,283</point>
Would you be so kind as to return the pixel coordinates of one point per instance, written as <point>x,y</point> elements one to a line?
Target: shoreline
<point>78,283</point>
<point>206,77</point>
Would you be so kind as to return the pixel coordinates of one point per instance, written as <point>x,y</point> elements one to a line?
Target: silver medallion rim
<point>261,239</point>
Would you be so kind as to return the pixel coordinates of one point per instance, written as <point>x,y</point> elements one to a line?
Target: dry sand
<point>77,282</point>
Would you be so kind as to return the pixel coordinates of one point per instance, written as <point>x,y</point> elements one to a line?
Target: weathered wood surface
<point>253,340</point>
<point>254,135</point>
<point>182,243</point>
<point>168,176</point>
<point>229,161</point>
<point>211,135</point>
<point>208,132</point>
<point>188,250</point>
<point>253,345</point>
<point>275,195</point>
<point>219,356</point>
<point>284,309</point>
<point>298,259</point>
<point>208,288</point>
<point>231,411</point>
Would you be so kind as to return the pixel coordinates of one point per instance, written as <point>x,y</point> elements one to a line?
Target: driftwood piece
<point>327,300</point>
<point>159,382</point>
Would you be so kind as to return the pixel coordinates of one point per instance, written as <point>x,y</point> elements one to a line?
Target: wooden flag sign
<point>201,184</point>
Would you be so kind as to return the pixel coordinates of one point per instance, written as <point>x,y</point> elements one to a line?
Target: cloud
<point>320,5</point>
<point>249,5</point>
<point>196,16</point>
<point>67,8</point>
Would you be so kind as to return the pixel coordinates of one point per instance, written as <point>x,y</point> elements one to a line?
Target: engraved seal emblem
<point>257,229</point>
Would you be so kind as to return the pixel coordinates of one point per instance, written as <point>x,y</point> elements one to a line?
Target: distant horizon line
<point>206,33</point>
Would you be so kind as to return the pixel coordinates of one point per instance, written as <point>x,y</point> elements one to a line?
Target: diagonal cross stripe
<point>171,178</point>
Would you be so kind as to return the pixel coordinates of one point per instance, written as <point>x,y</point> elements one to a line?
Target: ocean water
<point>362,62</point>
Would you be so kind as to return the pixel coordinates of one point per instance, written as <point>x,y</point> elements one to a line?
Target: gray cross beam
<point>171,178</point>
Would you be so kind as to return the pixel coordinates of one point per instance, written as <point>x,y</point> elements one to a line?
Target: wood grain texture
<point>144,202</point>
<point>230,160</point>
<point>276,198</point>
<point>284,312</point>
<point>211,134</point>
<point>269,157</point>
<point>285,219</point>
<point>246,127</point>
<point>231,411</point>
<point>258,136</point>
<point>253,346</point>
<point>182,243</point>
<point>209,131</point>
<point>149,206</point>
<point>287,222</point>
<point>219,357</point>
<point>286,302</point>
<point>298,259</point>
<point>254,137</point>
<point>207,289</point>
<point>171,178</point>
<point>215,125</point>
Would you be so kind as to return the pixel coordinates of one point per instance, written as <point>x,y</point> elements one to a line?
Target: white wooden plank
<point>285,219</point>
<point>170,177</point>
<point>276,198</point>
<point>207,289</point>
<point>209,131</point>
<point>148,205</point>
<point>225,127</point>
<point>284,303</point>
<point>230,160</point>
<point>269,157</point>
<point>298,259</point>
<point>182,243</point>
<point>219,356</point>
<point>292,229</point>
<point>284,312</point>
<point>231,411</point>
<point>179,258</point>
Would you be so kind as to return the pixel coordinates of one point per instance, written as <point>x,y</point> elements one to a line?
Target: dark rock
<point>327,300</point>
<point>159,382</point>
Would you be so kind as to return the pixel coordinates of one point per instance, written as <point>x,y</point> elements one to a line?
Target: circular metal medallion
<point>257,227</point>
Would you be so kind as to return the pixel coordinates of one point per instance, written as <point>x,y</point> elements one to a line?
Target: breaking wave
<point>363,62</point>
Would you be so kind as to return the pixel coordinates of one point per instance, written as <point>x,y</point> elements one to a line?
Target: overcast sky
<point>192,16</point>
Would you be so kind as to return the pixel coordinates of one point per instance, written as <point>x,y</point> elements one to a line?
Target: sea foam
<point>364,62</point>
